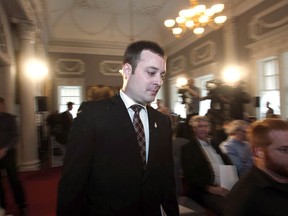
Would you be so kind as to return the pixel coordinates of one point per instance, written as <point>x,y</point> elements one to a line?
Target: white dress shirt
<point>214,159</point>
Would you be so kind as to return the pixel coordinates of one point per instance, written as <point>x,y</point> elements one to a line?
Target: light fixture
<point>196,18</point>
<point>36,69</point>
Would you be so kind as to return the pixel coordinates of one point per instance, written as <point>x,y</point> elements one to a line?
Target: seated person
<point>264,189</point>
<point>201,158</point>
<point>236,147</point>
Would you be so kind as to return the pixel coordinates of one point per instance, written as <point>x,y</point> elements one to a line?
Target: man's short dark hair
<point>134,50</point>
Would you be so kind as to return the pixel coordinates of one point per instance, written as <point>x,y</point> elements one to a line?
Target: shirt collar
<point>128,101</point>
<point>203,143</point>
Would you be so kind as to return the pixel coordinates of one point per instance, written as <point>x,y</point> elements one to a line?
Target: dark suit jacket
<point>65,120</point>
<point>103,172</point>
<point>8,131</point>
<point>198,171</point>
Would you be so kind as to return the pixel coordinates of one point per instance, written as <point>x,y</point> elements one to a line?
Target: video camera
<point>217,88</point>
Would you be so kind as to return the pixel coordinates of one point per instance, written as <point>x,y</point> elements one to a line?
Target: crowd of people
<point>255,149</point>
<point>119,156</point>
<point>217,139</point>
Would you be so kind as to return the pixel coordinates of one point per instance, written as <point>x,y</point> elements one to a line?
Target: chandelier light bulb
<point>177,31</point>
<point>199,8</point>
<point>220,19</point>
<point>180,20</point>
<point>169,23</point>
<point>199,30</point>
<point>189,24</point>
<point>190,12</point>
<point>203,19</point>
<point>209,12</point>
<point>183,13</point>
<point>196,18</point>
<point>217,8</point>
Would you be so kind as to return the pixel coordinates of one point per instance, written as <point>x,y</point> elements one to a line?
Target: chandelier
<point>196,18</point>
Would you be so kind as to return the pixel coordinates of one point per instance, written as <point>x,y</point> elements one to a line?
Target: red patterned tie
<point>139,129</point>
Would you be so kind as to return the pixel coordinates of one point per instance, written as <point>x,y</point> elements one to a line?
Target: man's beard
<point>279,169</point>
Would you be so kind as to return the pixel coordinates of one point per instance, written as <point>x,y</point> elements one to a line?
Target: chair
<point>187,206</point>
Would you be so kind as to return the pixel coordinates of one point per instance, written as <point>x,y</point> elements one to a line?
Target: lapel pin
<point>155,125</point>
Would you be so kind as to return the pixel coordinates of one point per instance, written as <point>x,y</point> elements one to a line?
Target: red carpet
<point>40,189</point>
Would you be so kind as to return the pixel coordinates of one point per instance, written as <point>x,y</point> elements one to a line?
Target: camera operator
<point>238,99</point>
<point>218,113</point>
<point>192,99</point>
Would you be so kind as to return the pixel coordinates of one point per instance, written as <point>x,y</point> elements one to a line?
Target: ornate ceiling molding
<point>274,45</point>
<point>262,27</point>
<point>177,65</point>
<point>203,53</point>
<point>110,17</point>
<point>110,68</point>
<point>27,30</point>
<point>69,66</point>
<point>147,7</point>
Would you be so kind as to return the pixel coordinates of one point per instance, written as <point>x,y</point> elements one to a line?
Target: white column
<point>29,159</point>
<point>230,46</point>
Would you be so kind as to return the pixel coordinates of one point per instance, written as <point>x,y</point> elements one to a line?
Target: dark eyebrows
<point>157,69</point>
<point>152,67</point>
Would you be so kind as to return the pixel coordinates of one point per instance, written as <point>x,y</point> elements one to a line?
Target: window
<point>269,86</point>
<point>69,93</point>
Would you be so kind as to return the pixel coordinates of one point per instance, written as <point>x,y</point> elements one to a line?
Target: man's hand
<point>217,190</point>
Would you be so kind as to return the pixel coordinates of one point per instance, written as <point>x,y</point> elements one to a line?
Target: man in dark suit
<point>201,158</point>
<point>66,120</point>
<point>104,173</point>
<point>8,141</point>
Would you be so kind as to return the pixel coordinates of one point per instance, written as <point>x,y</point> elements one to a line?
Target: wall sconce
<point>36,69</point>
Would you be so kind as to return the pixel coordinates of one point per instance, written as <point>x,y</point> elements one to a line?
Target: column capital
<point>27,30</point>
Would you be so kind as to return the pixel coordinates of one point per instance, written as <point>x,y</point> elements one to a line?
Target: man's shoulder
<point>97,106</point>
<point>254,180</point>
<point>192,143</point>
<point>228,144</point>
<point>155,111</point>
<point>63,115</point>
<point>97,103</point>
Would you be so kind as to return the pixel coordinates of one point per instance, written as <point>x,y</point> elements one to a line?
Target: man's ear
<point>127,70</point>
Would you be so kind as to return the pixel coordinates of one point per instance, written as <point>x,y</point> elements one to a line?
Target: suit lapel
<point>121,114</point>
<point>153,137</point>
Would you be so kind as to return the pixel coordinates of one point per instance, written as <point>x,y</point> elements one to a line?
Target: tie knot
<point>136,108</point>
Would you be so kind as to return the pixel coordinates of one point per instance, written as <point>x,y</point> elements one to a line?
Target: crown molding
<point>101,48</point>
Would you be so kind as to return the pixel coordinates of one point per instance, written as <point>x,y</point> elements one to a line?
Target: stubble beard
<point>279,169</point>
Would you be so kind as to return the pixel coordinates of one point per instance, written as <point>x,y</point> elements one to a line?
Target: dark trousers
<point>214,203</point>
<point>8,163</point>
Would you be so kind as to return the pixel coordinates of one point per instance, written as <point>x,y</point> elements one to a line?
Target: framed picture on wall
<point>101,92</point>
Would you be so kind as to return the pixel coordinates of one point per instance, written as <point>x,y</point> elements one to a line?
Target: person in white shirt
<point>201,158</point>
